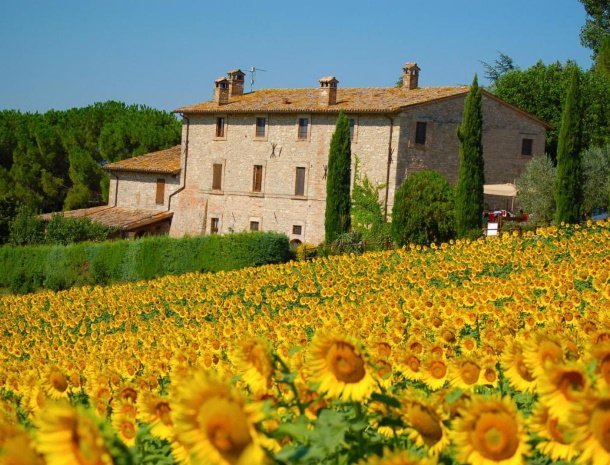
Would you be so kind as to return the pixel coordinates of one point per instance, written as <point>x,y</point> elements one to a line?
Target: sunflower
<point>601,354</point>
<point>18,450</point>
<point>213,425</point>
<point>410,365</point>
<point>490,431</point>
<point>561,388</point>
<point>558,437</point>
<point>254,362</point>
<point>424,424</point>
<point>515,369</point>
<point>70,435</point>
<point>543,352</point>
<point>592,422</point>
<point>435,373</point>
<point>465,372</point>
<point>125,426</point>
<point>54,382</point>
<point>157,413</point>
<point>340,366</point>
<point>403,457</point>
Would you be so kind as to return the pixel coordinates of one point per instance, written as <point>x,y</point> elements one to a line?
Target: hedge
<point>26,269</point>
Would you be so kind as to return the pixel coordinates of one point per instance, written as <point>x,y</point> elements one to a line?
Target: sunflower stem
<point>286,371</point>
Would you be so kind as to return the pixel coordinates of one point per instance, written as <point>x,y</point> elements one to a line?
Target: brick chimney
<point>410,76</point>
<point>236,82</point>
<point>221,91</point>
<point>327,93</point>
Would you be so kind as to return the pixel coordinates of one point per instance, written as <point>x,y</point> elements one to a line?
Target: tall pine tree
<point>471,178</point>
<point>337,219</point>
<point>569,183</point>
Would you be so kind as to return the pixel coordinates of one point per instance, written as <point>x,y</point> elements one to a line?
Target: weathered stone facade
<point>396,131</point>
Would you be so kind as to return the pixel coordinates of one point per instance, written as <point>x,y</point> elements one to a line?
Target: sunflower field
<point>495,351</point>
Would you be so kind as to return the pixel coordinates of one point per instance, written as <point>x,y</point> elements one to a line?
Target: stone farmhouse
<point>258,160</point>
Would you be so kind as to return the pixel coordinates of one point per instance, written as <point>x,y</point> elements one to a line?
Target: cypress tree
<point>568,183</point>
<point>471,177</point>
<point>337,219</point>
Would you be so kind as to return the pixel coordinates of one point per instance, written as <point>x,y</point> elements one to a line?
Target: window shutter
<point>217,177</point>
<point>257,178</point>
<point>160,200</point>
<point>299,187</point>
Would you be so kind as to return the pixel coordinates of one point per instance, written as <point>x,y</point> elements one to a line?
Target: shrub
<point>306,251</point>
<point>61,230</point>
<point>24,269</point>
<point>535,190</point>
<point>423,210</point>
<point>26,228</point>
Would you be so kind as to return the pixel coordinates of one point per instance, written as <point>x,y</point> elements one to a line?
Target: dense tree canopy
<point>597,24</point>
<point>541,90</point>
<point>52,161</point>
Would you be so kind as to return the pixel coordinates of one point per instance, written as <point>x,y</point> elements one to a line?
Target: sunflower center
<point>490,375</point>
<point>128,429</point>
<point>555,431</point>
<point>438,369</point>
<point>550,353</point>
<point>495,436</point>
<point>226,427</point>
<point>470,372</point>
<point>259,359</point>
<point>413,363</point>
<point>522,369</point>
<point>58,381</point>
<point>86,443</point>
<point>345,363</point>
<point>129,393</point>
<point>570,384</point>
<point>164,413</point>
<point>600,424</point>
<point>426,423</point>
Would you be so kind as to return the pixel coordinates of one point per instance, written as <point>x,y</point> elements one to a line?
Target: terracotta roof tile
<point>163,162</point>
<point>354,100</point>
<point>115,217</point>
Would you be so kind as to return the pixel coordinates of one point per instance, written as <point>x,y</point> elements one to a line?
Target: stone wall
<point>276,207</point>
<point>139,190</point>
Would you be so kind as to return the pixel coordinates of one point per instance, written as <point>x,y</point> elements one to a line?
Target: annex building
<point>258,160</point>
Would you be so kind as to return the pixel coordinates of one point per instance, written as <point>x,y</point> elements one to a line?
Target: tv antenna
<point>253,71</point>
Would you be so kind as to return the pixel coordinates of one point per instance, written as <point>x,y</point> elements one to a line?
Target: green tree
<point>423,210</point>
<point>535,189</point>
<point>568,185</point>
<point>471,176</point>
<point>602,61</point>
<point>502,65</point>
<point>26,228</point>
<point>337,218</point>
<point>596,174</point>
<point>367,210</point>
<point>597,24</point>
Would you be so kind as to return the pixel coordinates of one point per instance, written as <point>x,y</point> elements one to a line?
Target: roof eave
<point>146,171</point>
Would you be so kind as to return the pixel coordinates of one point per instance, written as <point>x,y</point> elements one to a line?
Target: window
<point>160,192</point>
<point>352,125</point>
<point>261,126</point>
<point>214,225</point>
<point>217,177</point>
<point>299,185</point>
<point>297,229</point>
<point>220,126</point>
<point>257,178</point>
<point>254,225</point>
<point>303,128</point>
<point>420,133</point>
<point>527,146</point>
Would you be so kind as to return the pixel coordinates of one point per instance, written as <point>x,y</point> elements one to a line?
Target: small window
<point>160,197</point>
<point>352,126</point>
<point>299,185</point>
<point>217,177</point>
<point>420,133</point>
<point>254,225</point>
<point>527,146</point>
<point>257,178</point>
<point>220,126</point>
<point>297,229</point>
<point>214,225</point>
<point>303,128</point>
<point>261,126</point>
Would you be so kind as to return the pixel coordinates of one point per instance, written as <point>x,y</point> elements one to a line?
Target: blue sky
<point>166,53</point>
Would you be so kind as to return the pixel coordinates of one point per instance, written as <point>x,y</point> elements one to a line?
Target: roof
<point>125,219</point>
<point>163,162</point>
<point>349,100</point>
